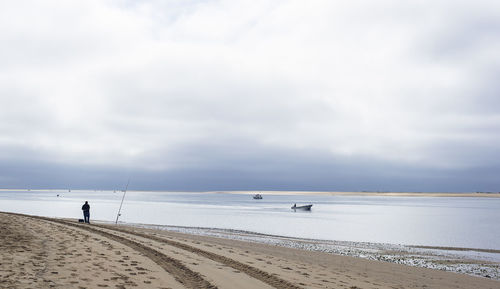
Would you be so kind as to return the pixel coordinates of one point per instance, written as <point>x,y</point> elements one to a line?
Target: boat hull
<point>303,208</point>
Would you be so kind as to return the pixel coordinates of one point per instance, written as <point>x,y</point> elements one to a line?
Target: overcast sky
<point>250,95</point>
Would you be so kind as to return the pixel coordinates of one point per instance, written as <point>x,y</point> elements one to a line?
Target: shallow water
<point>436,221</point>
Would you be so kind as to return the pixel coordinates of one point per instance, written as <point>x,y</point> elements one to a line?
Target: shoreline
<point>237,231</point>
<point>302,193</point>
<point>472,261</point>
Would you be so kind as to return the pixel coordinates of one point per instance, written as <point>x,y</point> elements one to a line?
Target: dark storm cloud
<point>279,171</point>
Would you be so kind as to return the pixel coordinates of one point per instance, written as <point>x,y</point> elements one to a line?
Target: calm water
<point>460,222</point>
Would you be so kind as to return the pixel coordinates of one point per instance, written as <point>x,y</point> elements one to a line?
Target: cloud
<point>185,86</point>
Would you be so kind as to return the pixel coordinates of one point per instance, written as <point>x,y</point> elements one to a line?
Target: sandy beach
<point>38,252</point>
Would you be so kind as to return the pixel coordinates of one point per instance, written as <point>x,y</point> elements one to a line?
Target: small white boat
<point>257,196</point>
<point>304,208</point>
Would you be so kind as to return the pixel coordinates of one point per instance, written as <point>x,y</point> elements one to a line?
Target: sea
<point>466,222</point>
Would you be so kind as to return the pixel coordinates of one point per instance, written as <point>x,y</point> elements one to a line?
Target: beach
<point>40,252</point>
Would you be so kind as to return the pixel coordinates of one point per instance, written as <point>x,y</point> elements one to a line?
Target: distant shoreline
<point>384,194</point>
<point>304,193</point>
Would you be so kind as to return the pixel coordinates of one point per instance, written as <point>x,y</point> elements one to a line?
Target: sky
<point>250,95</point>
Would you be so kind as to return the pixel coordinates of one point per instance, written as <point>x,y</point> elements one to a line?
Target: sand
<point>41,252</point>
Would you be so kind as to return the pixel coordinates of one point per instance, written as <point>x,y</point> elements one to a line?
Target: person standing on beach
<point>86,212</point>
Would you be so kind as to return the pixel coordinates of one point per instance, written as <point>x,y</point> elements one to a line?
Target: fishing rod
<point>123,198</point>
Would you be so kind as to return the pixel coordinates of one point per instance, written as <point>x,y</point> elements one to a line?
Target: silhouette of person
<point>86,212</point>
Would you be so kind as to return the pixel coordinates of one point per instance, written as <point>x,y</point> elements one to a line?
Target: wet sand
<point>41,252</point>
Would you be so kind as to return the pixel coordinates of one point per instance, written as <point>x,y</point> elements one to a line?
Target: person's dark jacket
<point>86,207</point>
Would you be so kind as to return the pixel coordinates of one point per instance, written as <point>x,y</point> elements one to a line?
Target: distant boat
<point>304,208</point>
<point>257,196</point>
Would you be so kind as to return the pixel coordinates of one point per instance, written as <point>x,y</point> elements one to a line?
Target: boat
<point>304,208</point>
<point>257,196</point>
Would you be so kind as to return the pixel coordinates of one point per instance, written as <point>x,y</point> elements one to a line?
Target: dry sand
<point>40,252</point>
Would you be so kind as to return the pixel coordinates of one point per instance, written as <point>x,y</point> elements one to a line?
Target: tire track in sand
<point>247,269</point>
